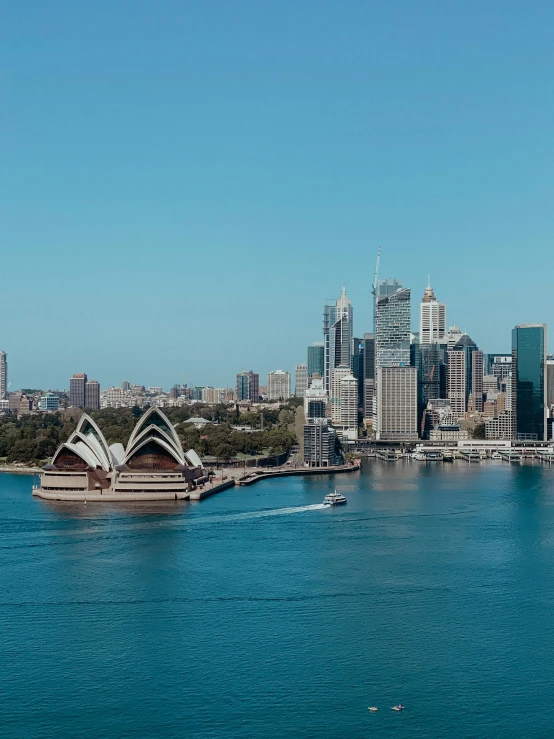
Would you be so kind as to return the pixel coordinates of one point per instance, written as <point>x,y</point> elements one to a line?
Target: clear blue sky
<point>181,182</point>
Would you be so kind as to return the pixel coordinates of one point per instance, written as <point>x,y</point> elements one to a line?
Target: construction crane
<point>376,277</point>
<point>8,386</point>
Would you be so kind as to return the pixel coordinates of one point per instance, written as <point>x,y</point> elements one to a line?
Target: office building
<point>396,413</point>
<point>453,336</point>
<point>499,427</point>
<point>336,377</point>
<point>529,392</point>
<point>315,399</point>
<point>490,385</point>
<point>427,362</point>
<point>248,386</point>
<point>3,374</point>
<point>301,380</point>
<point>77,392</point>
<point>49,402</point>
<point>358,349</point>
<point>316,359</point>
<point>278,385</point>
<point>432,319</point>
<point>320,444</point>
<point>550,382</point>
<point>466,345</point>
<point>392,329</point>
<point>500,365</point>
<point>456,382</point>
<point>92,395</point>
<point>369,374</point>
<point>337,334</point>
<point>477,380</point>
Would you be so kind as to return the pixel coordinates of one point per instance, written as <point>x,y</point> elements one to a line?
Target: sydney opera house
<point>153,466</point>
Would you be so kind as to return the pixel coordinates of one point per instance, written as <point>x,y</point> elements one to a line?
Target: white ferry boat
<point>334,499</point>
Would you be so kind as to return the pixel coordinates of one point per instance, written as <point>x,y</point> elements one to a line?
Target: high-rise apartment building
<point>432,319</point>
<point>315,399</point>
<point>337,375</point>
<point>248,386</point>
<point>301,380</point>
<point>3,374</point>
<point>320,444</point>
<point>456,388</point>
<point>77,396</point>
<point>477,380</point>
<point>92,395</point>
<point>348,402</point>
<point>529,392</point>
<point>278,385</point>
<point>316,359</point>
<point>338,334</point>
<point>396,416</point>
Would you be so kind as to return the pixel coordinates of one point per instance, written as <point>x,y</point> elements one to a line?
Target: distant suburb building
<point>3,374</point>
<point>301,380</point>
<point>49,402</point>
<point>278,385</point>
<point>248,386</point>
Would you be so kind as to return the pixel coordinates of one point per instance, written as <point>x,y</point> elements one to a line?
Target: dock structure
<point>469,455</point>
<point>545,455</point>
<point>510,455</point>
<point>253,477</point>
<point>386,455</point>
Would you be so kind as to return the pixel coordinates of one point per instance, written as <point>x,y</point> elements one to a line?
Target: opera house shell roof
<point>152,465</point>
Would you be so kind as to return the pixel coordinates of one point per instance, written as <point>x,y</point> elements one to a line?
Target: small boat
<point>334,499</point>
<point>372,709</point>
<point>399,707</point>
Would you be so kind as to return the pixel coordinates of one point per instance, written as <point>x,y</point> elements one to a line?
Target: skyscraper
<point>248,386</point>
<point>92,395</point>
<point>529,400</point>
<point>428,370</point>
<point>301,380</point>
<point>3,374</point>
<point>348,395</point>
<point>432,319</point>
<point>316,359</point>
<point>396,418</point>
<point>392,329</point>
<point>369,374</point>
<point>477,380</point>
<point>337,335</point>
<point>77,395</point>
<point>456,387</point>
<point>278,385</point>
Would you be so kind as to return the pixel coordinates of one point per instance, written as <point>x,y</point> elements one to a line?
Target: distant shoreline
<point>9,469</point>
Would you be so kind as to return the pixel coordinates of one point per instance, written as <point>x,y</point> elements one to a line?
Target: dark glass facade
<point>316,360</point>
<point>528,382</point>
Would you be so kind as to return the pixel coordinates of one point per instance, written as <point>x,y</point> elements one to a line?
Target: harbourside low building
<point>153,465</point>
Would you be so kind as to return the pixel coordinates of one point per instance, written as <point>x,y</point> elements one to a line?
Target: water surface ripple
<point>259,613</point>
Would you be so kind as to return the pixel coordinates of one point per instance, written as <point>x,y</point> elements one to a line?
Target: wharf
<point>206,492</point>
<point>253,477</point>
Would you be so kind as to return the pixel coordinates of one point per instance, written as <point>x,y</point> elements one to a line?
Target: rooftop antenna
<point>429,281</point>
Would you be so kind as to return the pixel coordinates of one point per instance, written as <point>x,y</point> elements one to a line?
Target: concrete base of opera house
<point>107,496</point>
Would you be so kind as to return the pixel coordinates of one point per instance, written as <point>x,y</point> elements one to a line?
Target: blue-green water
<point>257,613</point>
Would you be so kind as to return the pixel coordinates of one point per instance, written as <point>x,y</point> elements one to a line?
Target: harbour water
<point>259,613</point>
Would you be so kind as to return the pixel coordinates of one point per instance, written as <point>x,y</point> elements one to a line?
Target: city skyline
<point>207,186</point>
<point>226,378</point>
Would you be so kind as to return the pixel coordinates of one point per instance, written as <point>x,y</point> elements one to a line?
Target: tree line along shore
<point>31,440</point>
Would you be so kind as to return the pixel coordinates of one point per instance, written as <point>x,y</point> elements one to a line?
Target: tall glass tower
<point>316,359</point>
<point>338,335</point>
<point>392,329</point>
<point>529,382</point>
